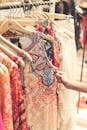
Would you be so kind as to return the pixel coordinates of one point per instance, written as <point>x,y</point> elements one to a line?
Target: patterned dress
<point>41,97</point>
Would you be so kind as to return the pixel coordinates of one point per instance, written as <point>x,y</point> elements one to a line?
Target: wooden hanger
<point>51,16</point>
<point>15,48</point>
<point>27,21</point>
<point>10,54</point>
<point>36,15</point>
<point>13,24</point>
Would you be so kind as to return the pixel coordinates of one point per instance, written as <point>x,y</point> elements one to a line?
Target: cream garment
<point>67,97</point>
<point>41,97</point>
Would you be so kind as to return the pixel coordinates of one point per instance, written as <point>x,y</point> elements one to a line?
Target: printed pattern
<point>41,100</point>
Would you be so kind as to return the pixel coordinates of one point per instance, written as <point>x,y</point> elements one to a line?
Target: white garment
<point>67,98</point>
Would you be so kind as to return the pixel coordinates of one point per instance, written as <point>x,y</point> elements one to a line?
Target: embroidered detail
<point>47,78</point>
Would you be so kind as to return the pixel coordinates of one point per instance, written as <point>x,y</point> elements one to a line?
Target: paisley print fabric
<point>41,99</point>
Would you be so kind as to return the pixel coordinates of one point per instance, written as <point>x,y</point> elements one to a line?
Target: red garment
<point>40,29</point>
<point>84,35</point>
<point>18,109</point>
<point>55,45</point>
<point>55,63</point>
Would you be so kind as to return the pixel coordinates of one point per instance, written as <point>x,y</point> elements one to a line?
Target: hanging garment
<point>18,108</point>
<point>1,123</point>
<point>41,86</point>
<point>28,43</point>
<point>83,36</point>
<point>56,45</point>
<point>5,98</point>
<point>67,109</point>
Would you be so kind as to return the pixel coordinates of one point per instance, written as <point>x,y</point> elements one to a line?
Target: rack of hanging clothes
<point>33,73</point>
<point>43,49</point>
<point>26,5</point>
<point>12,109</point>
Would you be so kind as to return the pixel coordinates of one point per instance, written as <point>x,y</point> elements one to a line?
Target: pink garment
<point>1,123</point>
<point>5,98</point>
<point>18,116</point>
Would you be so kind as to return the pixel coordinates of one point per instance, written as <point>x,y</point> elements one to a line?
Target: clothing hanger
<point>10,54</point>
<point>15,48</point>
<point>13,24</point>
<point>53,16</point>
<point>36,15</point>
<point>27,21</point>
<point>50,16</point>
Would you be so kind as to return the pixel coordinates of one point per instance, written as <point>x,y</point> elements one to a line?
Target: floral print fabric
<point>41,99</point>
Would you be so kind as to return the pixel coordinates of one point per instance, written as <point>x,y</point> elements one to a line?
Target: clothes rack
<point>24,5</point>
